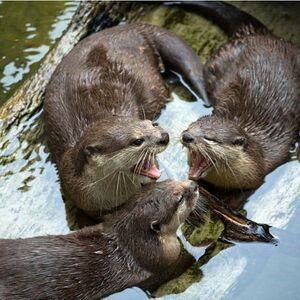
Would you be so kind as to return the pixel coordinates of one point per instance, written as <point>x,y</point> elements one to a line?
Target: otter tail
<point>230,18</point>
<point>178,57</point>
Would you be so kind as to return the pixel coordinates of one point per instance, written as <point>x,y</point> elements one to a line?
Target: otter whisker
<point>202,206</point>
<point>145,157</point>
<point>125,184</point>
<point>135,170</point>
<point>110,182</point>
<point>139,161</point>
<point>134,183</point>
<point>207,156</point>
<point>228,166</point>
<point>143,111</point>
<point>117,189</point>
<point>98,180</point>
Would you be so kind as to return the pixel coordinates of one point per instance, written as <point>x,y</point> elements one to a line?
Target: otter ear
<point>92,150</point>
<point>155,226</point>
<point>239,141</point>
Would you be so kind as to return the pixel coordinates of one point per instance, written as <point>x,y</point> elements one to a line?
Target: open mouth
<point>198,165</point>
<point>148,169</point>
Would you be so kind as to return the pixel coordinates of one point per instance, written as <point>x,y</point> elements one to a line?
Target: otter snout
<point>191,193</point>
<point>187,137</point>
<point>164,140</point>
<point>192,188</point>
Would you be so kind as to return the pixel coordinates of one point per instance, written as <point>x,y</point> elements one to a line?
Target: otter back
<point>96,107</point>
<point>253,83</point>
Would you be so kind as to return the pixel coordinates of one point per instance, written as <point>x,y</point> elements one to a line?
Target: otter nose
<point>164,140</point>
<point>193,186</point>
<point>187,137</point>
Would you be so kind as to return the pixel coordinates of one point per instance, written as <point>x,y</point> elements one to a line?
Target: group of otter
<point>98,112</point>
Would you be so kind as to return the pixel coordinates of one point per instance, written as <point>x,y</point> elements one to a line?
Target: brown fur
<point>96,105</point>
<point>97,261</point>
<point>253,83</point>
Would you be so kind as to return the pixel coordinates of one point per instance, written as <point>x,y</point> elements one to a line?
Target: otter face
<point>126,145</point>
<point>165,205</point>
<point>221,153</point>
<point>153,218</point>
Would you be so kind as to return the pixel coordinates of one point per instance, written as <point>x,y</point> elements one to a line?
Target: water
<point>30,29</point>
<point>31,203</point>
<point>30,199</point>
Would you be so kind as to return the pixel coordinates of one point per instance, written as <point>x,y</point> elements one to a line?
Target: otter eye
<point>138,142</point>
<point>239,141</point>
<point>180,200</point>
<point>92,150</point>
<point>155,226</point>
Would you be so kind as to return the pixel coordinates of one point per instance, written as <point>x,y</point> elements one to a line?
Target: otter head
<point>153,219</point>
<point>222,153</point>
<point>123,144</point>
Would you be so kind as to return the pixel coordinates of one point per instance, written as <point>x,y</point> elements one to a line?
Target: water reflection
<point>30,199</point>
<point>282,189</point>
<point>31,203</point>
<point>28,29</point>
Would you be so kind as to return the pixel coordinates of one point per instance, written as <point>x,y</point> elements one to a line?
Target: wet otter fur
<point>97,109</point>
<point>253,83</point>
<point>100,260</point>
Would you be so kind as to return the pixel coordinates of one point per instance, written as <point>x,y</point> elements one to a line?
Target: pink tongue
<point>195,171</point>
<point>152,171</point>
<point>198,165</point>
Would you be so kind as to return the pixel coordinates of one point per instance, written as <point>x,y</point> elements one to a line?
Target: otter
<point>98,107</point>
<point>96,261</point>
<point>253,84</point>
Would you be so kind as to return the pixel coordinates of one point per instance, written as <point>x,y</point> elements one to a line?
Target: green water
<point>28,30</point>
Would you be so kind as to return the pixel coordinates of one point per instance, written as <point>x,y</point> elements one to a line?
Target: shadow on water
<point>31,203</point>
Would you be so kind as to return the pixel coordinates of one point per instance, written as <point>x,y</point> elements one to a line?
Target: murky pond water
<point>28,30</point>
<point>31,203</point>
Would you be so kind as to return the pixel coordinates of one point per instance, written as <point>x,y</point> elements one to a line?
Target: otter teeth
<point>198,165</point>
<point>150,170</point>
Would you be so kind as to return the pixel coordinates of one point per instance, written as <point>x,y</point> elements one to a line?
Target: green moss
<point>200,33</point>
<point>280,17</point>
<point>181,283</point>
<point>210,230</point>
<point>182,92</point>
